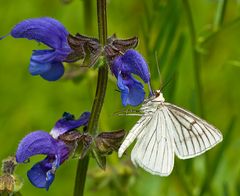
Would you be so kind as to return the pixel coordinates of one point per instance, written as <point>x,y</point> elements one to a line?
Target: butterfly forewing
<point>154,151</point>
<point>135,132</point>
<point>192,136</point>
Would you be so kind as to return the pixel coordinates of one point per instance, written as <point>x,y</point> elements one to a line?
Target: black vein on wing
<point>203,126</point>
<point>188,130</point>
<point>150,139</point>
<point>196,121</point>
<point>144,124</point>
<point>156,155</point>
<point>200,135</point>
<point>170,117</point>
<point>184,139</point>
<point>140,141</point>
<point>187,113</point>
<point>164,148</point>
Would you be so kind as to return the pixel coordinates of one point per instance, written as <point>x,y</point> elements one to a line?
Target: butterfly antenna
<point>150,89</point>
<point>158,69</point>
<point>150,86</point>
<point>168,82</point>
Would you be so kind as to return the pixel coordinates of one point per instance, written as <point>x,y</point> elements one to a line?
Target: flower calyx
<point>90,50</point>
<point>98,146</point>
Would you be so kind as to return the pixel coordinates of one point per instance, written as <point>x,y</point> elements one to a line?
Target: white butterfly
<point>164,130</point>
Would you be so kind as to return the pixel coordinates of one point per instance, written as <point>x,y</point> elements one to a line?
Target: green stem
<point>102,21</point>
<point>196,59</point>
<point>80,178</point>
<point>98,100</point>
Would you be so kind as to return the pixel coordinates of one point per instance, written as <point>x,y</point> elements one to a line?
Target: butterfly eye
<point>157,93</point>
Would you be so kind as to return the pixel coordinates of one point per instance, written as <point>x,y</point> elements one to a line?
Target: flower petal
<point>54,73</point>
<point>132,91</point>
<point>47,56</point>
<point>47,63</point>
<point>43,56</point>
<point>62,152</point>
<point>68,123</point>
<point>40,174</point>
<point>131,62</point>
<point>49,71</point>
<point>46,30</point>
<point>37,142</point>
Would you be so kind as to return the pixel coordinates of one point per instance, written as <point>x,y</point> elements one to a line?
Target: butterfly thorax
<point>158,97</point>
<point>153,103</point>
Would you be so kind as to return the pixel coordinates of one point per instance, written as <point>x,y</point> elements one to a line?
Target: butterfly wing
<point>133,133</point>
<point>154,150</point>
<point>192,136</point>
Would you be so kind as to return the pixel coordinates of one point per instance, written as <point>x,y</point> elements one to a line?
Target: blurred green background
<point>196,45</point>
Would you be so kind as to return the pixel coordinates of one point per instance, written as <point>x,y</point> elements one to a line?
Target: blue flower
<point>42,173</point>
<point>46,63</point>
<point>132,91</point>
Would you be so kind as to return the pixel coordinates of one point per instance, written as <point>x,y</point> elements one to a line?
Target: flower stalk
<point>98,100</point>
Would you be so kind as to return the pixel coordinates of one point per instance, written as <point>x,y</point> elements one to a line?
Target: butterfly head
<point>153,103</point>
<point>158,96</point>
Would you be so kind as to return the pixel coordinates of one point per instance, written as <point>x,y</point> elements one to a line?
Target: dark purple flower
<point>46,63</point>
<point>42,173</point>
<point>132,91</point>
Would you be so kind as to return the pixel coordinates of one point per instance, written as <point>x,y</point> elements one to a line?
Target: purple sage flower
<point>42,173</point>
<point>46,63</point>
<point>132,91</point>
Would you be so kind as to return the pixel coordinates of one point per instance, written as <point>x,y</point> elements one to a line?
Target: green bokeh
<point>31,103</point>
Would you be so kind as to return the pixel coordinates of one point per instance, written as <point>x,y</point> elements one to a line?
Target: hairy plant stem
<point>196,58</point>
<point>98,100</point>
